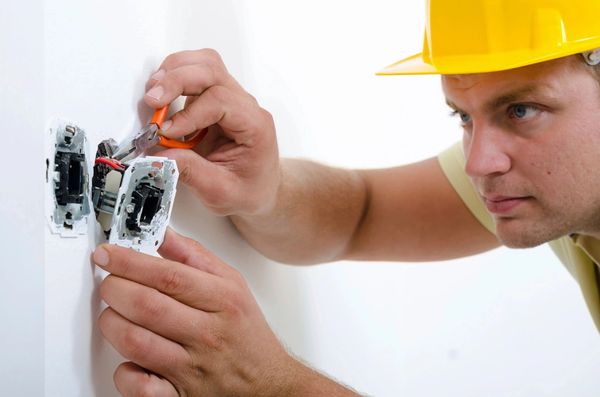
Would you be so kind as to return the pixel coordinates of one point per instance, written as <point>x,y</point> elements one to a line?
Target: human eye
<point>464,117</point>
<point>522,112</point>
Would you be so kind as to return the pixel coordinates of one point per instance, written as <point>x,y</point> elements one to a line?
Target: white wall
<point>21,210</point>
<point>508,323</point>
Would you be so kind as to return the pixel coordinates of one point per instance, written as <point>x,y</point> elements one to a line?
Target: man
<point>523,77</point>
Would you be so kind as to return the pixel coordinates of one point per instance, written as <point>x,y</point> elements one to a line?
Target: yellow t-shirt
<point>578,253</point>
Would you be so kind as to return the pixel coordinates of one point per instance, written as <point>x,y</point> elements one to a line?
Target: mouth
<point>504,205</point>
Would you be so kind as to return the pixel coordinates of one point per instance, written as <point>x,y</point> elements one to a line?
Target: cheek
<point>561,174</point>
<point>546,169</point>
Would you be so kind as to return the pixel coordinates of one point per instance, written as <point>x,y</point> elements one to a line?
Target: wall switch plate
<point>144,204</point>
<point>67,179</point>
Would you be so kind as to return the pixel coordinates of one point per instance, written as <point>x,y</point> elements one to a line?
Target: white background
<point>507,323</point>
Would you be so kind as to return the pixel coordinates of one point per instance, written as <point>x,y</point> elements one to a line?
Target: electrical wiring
<point>115,164</point>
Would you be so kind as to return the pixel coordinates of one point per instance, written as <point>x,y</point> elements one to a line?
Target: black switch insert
<point>69,188</point>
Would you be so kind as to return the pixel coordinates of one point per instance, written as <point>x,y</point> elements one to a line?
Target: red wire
<point>110,162</point>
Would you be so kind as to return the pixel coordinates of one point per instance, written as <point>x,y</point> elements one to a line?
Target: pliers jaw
<point>139,144</point>
<point>150,136</point>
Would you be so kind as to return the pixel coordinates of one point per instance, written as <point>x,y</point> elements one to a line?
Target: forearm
<point>306,382</point>
<point>314,217</point>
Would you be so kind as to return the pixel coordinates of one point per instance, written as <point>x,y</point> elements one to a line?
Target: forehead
<point>552,79</point>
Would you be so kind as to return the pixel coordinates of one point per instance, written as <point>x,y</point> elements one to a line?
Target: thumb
<point>213,184</point>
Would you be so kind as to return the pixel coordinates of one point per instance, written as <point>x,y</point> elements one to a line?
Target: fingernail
<point>156,92</point>
<point>101,257</point>
<point>166,125</point>
<point>158,75</point>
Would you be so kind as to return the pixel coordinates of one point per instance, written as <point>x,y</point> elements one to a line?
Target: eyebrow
<point>506,98</point>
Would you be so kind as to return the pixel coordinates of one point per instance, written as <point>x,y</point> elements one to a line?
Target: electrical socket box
<point>132,200</point>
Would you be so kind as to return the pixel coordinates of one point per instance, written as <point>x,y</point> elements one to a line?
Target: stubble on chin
<point>514,233</point>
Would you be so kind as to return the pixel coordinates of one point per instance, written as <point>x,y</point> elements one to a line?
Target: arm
<point>189,326</point>
<point>408,213</point>
<point>296,211</point>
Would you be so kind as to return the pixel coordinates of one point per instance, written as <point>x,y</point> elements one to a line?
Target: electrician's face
<point>532,147</point>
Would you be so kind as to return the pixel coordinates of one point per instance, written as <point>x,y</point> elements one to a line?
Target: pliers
<point>150,136</point>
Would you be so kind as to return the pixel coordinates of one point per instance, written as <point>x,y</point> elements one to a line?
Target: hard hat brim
<point>467,64</point>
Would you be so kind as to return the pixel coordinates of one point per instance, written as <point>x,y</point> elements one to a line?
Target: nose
<point>484,153</point>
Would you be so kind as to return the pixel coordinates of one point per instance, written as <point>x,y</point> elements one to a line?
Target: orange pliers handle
<point>158,118</point>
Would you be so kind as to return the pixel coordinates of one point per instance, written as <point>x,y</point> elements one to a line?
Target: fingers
<point>153,310</point>
<point>132,380</point>
<point>195,288</point>
<point>186,250</point>
<point>142,346</point>
<point>206,56</point>
<point>184,72</point>
<point>235,168</point>
<point>238,116</point>
<point>184,80</point>
<point>201,75</point>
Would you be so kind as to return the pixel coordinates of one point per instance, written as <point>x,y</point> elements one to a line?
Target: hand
<point>235,169</point>
<point>189,324</point>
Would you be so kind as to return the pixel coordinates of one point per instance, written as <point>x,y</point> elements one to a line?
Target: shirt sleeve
<point>452,161</point>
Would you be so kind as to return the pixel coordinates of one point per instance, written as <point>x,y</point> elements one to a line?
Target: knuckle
<point>177,58</point>
<point>171,281</point>
<point>147,305</point>
<point>135,343</point>
<point>252,98</point>
<point>213,339</point>
<point>186,173</point>
<point>219,93</point>
<point>235,301</point>
<point>263,122</point>
<point>211,56</point>
<point>267,116</point>
<point>213,64</point>
<point>238,279</point>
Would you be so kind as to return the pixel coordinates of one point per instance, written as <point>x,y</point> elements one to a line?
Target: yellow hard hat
<point>477,36</point>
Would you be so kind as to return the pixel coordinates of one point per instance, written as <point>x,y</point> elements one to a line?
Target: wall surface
<point>505,323</point>
<point>21,209</point>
